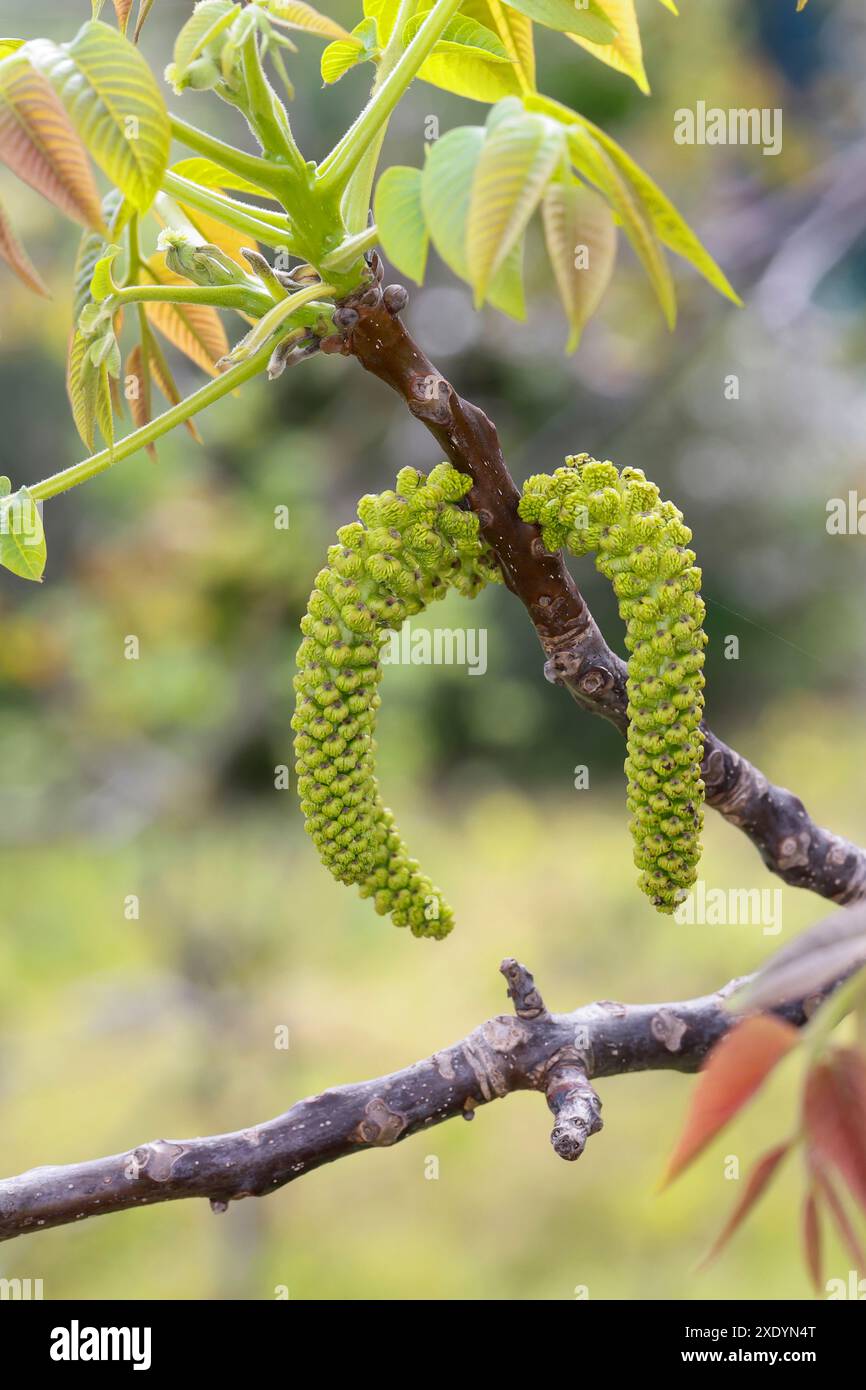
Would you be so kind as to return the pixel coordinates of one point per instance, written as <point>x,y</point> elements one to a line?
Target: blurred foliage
<point>155,776</point>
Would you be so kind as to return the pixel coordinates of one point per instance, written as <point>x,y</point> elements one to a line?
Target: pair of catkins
<point>408,548</point>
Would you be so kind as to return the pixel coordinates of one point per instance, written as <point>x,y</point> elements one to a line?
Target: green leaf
<point>207,21</point>
<point>295,14</point>
<point>385,14</point>
<point>589,21</point>
<point>593,163</point>
<point>518,158</point>
<point>446,187</point>
<point>104,417</point>
<point>669,225</point>
<point>657,210</point>
<point>460,33</point>
<point>359,47</point>
<point>469,60</point>
<point>81,388</point>
<point>581,243</point>
<point>112,99</point>
<point>339,57</point>
<point>209,174</point>
<point>400,218</point>
<point>101,284</point>
<point>22,538</point>
<point>515,31</point>
<point>625,52</point>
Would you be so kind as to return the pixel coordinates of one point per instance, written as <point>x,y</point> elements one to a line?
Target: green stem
<point>243,297</point>
<point>350,249</point>
<point>275,317</point>
<point>184,410</point>
<point>269,176</point>
<point>270,227</point>
<point>337,168</point>
<point>356,199</point>
<point>268,114</point>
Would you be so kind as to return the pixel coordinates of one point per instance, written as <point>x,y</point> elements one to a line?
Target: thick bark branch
<point>532,1050</point>
<point>791,845</point>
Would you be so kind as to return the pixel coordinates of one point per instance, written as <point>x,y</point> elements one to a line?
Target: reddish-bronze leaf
<point>161,375</point>
<point>144,9</point>
<point>834,1115</point>
<point>13,253</point>
<point>40,145</point>
<point>812,1238</point>
<point>122,9</point>
<point>756,1184</point>
<point>136,376</point>
<point>842,1219</point>
<point>733,1072</point>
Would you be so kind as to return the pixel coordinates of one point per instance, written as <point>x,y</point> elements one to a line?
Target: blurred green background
<point>155,777</point>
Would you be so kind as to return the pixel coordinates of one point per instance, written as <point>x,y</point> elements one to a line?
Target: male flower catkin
<point>407,548</point>
<point>641,545</point>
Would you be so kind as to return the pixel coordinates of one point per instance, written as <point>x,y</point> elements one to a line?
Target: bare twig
<point>531,1050</point>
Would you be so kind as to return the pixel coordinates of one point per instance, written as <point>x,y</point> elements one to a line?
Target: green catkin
<point>407,548</point>
<point>641,545</point>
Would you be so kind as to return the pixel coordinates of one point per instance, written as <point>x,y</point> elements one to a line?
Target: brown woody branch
<point>557,1055</point>
<point>791,845</point>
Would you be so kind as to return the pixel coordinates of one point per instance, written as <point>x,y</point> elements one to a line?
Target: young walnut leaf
<point>13,253</point>
<point>195,329</point>
<point>515,31</point>
<point>209,174</point>
<point>113,101</point>
<point>399,216</point>
<point>581,244</point>
<point>812,1238</point>
<point>295,14</point>
<point>22,539</point>
<point>756,1185</point>
<point>80,388</point>
<point>360,46</point>
<point>123,9</point>
<point>593,163</point>
<point>161,375</point>
<point>736,1068</point>
<point>625,52</point>
<point>589,20</point>
<point>834,1116</point>
<point>669,225</point>
<point>40,145</point>
<point>136,375</point>
<point>469,60</point>
<point>446,187</point>
<point>517,160</point>
<point>841,1218</point>
<point>633,195</point>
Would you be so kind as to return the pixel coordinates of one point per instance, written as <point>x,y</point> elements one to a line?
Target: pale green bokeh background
<point>155,777</point>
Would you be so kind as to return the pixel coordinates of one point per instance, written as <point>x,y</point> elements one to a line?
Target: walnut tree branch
<point>803,854</point>
<point>557,1055</point>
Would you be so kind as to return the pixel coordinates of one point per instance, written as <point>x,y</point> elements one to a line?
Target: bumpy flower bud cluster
<point>407,548</point>
<point>641,545</point>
